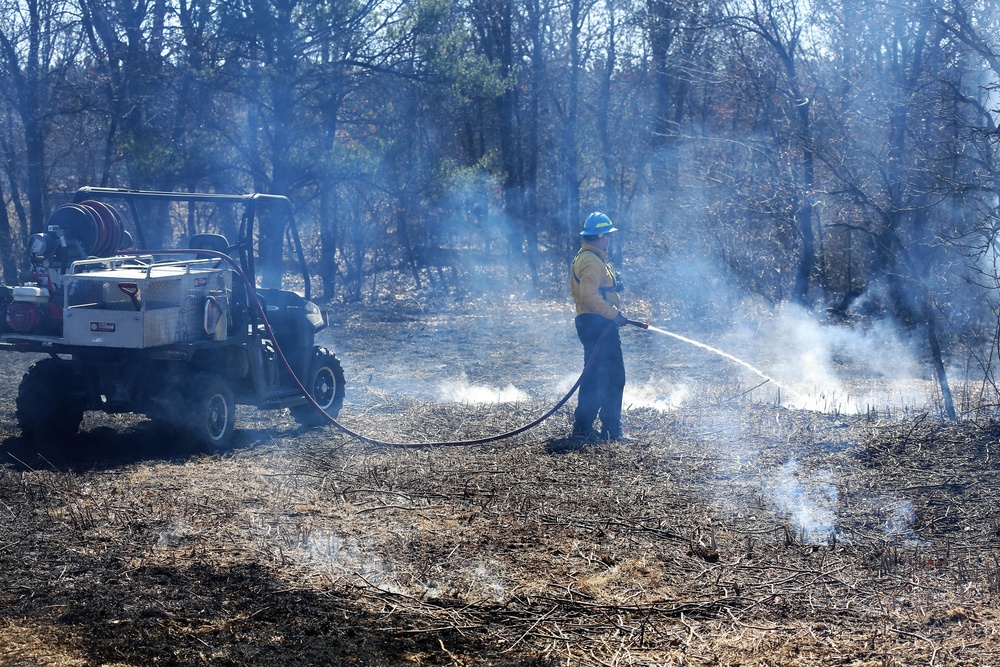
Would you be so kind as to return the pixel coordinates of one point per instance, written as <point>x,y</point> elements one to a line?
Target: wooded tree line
<point>835,153</point>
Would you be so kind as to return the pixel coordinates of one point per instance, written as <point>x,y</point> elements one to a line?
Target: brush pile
<point>728,531</point>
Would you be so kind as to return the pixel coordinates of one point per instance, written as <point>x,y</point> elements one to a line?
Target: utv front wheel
<point>212,412</point>
<point>325,384</point>
<point>50,401</point>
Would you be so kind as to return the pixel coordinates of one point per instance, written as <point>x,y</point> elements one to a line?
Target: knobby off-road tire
<point>210,415</point>
<point>50,401</point>
<point>325,383</point>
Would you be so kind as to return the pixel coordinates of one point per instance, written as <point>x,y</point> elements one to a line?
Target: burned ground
<point>730,530</point>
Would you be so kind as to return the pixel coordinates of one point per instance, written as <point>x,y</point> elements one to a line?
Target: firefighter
<point>596,290</point>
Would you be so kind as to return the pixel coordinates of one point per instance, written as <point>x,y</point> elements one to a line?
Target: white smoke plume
<point>662,396</point>
<point>837,368</point>
<point>462,391</point>
<point>898,525</point>
<point>808,500</point>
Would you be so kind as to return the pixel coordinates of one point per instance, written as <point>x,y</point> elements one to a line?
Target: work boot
<point>586,433</point>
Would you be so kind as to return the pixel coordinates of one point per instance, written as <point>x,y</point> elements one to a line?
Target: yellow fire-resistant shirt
<point>593,283</point>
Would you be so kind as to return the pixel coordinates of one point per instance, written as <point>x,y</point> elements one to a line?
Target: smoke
<point>806,364</point>
<point>837,369</point>
<point>485,582</point>
<point>486,250</point>
<point>808,500</point>
<point>659,395</point>
<point>462,391</point>
<point>689,276</point>
<point>338,557</point>
<point>173,534</point>
<point>898,525</point>
<point>341,557</point>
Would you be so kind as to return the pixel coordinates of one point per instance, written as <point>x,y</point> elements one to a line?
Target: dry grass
<point>729,532</point>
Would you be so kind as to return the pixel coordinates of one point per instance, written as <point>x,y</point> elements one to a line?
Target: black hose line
<point>485,439</point>
<point>251,290</point>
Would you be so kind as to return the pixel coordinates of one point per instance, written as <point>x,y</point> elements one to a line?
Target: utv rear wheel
<point>50,401</point>
<point>325,384</point>
<point>211,417</point>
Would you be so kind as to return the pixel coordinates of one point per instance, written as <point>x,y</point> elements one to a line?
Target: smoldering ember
<point>292,333</point>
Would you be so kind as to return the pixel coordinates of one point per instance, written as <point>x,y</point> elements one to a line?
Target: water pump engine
<point>73,232</point>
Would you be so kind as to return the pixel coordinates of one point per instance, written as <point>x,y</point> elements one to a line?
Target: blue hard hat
<point>596,224</point>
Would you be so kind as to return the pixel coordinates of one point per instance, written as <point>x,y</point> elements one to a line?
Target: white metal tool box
<point>140,303</point>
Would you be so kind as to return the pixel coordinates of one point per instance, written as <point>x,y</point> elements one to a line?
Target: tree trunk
<point>939,369</point>
<point>571,151</point>
<point>7,255</point>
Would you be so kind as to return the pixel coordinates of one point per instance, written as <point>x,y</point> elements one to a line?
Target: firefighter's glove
<point>621,320</point>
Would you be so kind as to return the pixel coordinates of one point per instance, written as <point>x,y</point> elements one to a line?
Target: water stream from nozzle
<point>721,353</point>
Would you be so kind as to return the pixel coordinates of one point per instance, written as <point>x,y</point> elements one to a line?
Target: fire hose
<point>251,290</point>
<point>473,441</point>
<point>452,443</point>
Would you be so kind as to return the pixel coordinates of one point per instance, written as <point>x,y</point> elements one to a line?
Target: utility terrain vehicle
<point>181,334</point>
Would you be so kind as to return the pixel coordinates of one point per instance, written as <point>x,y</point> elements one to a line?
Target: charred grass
<point>728,531</point>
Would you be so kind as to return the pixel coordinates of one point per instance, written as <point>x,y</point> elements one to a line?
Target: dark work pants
<point>602,385</point>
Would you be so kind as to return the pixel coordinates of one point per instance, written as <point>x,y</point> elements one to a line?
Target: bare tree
<point>37,45</point>
<point>780,24</point>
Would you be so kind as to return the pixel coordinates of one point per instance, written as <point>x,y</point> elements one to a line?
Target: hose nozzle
<point>637,323</point>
